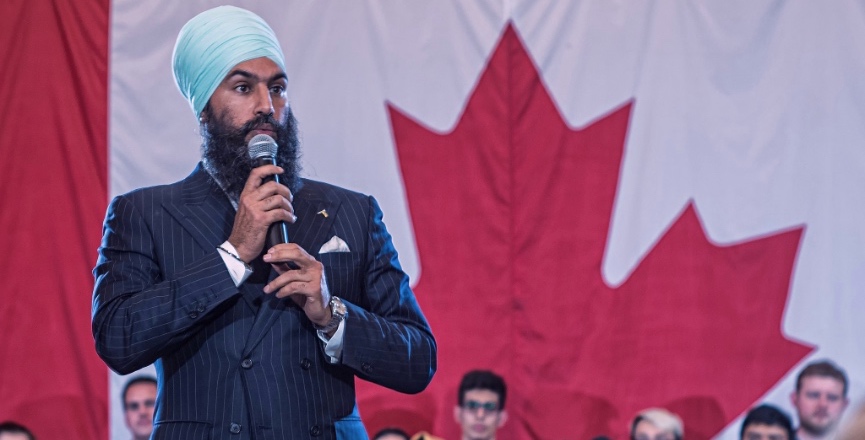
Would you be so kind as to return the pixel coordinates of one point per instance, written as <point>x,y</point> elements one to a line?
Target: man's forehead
<point>822,383</point>
<point>258,68</point>
<point>768,430</point>
<point>13,436</point>
<point>140,388</point>
<point>482,394</point>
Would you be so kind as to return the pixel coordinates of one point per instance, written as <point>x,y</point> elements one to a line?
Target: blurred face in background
<point>138,409</point>
<point>819,403</point>
<point>480,415</point>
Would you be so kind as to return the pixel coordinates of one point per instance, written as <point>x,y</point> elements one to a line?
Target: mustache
<point>259,121</point>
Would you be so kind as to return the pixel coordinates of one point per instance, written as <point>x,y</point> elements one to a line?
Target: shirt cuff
<point>333,346</point>
<point>236,268</point>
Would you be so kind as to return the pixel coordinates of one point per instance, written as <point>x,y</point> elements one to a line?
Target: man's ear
<point>457,414</point>
<point>794,399</point>
<point>503,417</point>
<point>204,117</point>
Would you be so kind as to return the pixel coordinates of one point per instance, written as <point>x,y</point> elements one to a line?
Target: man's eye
<point>242,88</point>
<point>277,90</point>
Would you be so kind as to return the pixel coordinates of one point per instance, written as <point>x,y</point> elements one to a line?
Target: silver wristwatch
<point>338,313</point>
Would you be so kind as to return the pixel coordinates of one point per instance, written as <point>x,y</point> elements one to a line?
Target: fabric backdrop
<point>615,205</point>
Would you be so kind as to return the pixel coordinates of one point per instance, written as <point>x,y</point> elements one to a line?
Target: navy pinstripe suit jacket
<point>234,363</point>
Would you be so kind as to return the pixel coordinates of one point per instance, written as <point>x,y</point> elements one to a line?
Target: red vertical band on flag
<point>53,194</point>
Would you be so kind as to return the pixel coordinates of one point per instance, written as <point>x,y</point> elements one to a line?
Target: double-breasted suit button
<point>201,308</point>
<point>247,363</point>
<point>234,428</point>
<point>193,314</point>
<point>305,363</point>
<point>315,431</point>
<point>366,367</point>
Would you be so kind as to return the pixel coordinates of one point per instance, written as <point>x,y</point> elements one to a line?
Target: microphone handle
<point>277,233</point>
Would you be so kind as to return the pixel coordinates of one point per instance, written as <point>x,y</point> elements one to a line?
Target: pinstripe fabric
<point>164,295</point>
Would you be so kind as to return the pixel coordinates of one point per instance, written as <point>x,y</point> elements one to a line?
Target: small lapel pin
<point>323,212</point>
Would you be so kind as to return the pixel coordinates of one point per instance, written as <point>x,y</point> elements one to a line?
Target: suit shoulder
<point>314,189</point>
<point>152,193</point>
<point>168,191</point>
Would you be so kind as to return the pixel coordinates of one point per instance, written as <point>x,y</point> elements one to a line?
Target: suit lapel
<point>203,209</point>
<point>205,212</point>
<point>315,216</point>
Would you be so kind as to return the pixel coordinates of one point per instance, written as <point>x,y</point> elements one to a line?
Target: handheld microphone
<point>262,151</point>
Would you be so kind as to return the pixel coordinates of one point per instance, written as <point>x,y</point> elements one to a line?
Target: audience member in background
<point>15,431</point>
<point>766,422</point>
<point>656,424</point>
<point>391,434</point>
<point>139,397</point>
<point>820,399</point>
<point>480,409</point>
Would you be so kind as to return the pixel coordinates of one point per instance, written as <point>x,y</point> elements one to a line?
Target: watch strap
<point>338,313</point>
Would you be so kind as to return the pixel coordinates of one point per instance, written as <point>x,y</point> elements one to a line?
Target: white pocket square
<point>335,244</point>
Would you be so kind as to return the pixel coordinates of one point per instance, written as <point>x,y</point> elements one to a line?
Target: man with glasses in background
<point>480,411</point>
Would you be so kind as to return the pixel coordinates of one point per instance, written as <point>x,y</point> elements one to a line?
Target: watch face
<point>338,307</point>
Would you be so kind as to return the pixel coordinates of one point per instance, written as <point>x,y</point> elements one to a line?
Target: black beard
<point>226,155</point>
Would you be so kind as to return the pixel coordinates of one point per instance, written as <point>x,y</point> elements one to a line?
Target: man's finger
<point>257,175</point>
<point>289,282</point>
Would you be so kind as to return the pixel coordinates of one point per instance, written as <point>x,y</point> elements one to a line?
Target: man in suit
<point>253,341</point>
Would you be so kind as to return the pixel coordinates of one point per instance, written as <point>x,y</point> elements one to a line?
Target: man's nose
<point>263,101</point>
<point>481,412</point>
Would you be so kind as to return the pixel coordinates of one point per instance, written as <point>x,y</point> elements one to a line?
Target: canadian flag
<point>615,205</point>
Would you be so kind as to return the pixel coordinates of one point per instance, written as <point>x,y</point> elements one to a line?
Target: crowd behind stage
<point>820,400</point>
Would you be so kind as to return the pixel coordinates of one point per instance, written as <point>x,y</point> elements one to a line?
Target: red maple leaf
<point>511,212</point>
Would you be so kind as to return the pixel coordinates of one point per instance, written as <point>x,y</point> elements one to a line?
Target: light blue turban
<point>212,43</point>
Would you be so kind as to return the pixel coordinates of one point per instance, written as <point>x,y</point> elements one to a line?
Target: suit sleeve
<point>387,339</point>
<point>138,312</point>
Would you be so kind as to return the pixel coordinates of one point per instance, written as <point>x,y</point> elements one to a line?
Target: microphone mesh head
<point>261,145</point>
